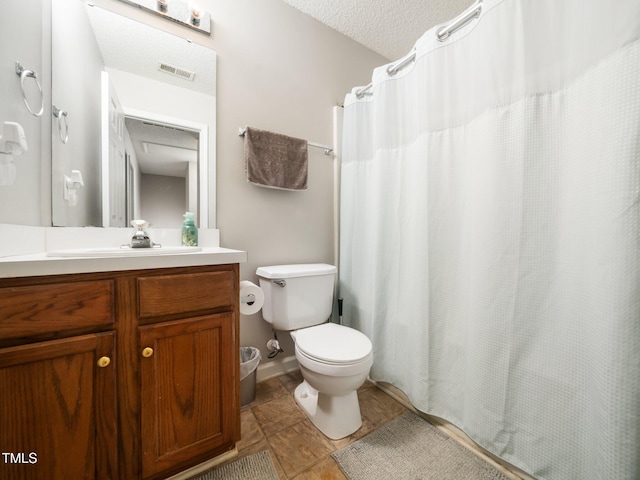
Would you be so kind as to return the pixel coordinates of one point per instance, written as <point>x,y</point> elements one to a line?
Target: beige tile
<point>276,463</point>
<point>277,414</point>
<point>377,407</point>
<point>299,446</point>
<point>268,390</point>
<point>365,385</point>
<point>274,422</point>
<point>250,431</point>
<point>291,380</point>
<point>326,469</point>
<point>254,448</point>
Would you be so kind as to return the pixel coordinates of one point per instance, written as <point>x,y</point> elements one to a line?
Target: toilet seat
<point>333,349</point>
<point>332,343</point>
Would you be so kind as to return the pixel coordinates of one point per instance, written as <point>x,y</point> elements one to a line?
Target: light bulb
<point>163,5</point>
<point>196,13</point>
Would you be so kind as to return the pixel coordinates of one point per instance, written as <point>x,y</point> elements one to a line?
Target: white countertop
<point>40,264</point>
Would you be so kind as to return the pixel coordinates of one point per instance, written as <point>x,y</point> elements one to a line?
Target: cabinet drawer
<point>41,309</point>
<point>185,293</point>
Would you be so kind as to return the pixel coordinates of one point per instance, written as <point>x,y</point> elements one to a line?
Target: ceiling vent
<point>176,71</point>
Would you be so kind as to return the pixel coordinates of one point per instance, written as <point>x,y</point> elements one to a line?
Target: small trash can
<point>249,360</point>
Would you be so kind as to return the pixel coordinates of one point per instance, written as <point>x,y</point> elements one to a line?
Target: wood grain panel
<point>40,309</point>
<point>185,293</point>
<point>187,390</point>
<point>52,395</point>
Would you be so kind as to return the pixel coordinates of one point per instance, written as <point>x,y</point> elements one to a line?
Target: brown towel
<point>274,160</point>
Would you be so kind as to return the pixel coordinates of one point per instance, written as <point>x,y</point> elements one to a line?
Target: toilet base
<point>335,416</point>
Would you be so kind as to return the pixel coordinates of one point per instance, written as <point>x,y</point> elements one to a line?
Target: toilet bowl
<point>334,360</point>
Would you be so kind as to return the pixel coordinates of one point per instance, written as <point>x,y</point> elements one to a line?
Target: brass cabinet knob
<point>147,352</point>
<point>104,362</point>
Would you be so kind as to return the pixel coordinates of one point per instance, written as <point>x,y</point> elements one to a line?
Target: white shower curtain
<point>490,224</point>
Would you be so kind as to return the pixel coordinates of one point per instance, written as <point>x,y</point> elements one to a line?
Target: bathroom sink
<point>121,251</point>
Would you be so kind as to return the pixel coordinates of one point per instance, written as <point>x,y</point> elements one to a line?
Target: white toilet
<point>334,360</point>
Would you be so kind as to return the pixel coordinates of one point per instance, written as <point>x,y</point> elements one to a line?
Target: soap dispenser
<point>189,231</point>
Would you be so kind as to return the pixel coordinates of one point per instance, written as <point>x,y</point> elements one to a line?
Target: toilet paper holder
<point>251,298</point>
<point>248,299</point>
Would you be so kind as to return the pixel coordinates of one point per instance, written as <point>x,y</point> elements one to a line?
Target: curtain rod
<point>441,34</point>
<point>327,150</point>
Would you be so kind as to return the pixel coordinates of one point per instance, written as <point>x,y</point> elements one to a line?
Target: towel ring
<point>61,117</point>
<point>23,73</point>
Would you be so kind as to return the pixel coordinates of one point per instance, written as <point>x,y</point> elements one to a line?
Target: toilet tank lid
<point>293,271</point>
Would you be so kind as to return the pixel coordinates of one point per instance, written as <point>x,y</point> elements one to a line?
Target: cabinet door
<point>188,390</point>
<point>58,409</point>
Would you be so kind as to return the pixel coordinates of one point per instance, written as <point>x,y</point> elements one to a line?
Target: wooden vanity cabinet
<point>121,375</point>
<point>57,380</point>
<point>189,362</point>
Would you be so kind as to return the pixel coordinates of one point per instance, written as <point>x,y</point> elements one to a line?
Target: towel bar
<point>327,150</point>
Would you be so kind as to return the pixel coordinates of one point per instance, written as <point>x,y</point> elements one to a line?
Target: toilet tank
<point>297,296</point>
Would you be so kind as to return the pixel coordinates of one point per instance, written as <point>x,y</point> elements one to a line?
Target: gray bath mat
<point>410,448</point>
<point>255,467</point>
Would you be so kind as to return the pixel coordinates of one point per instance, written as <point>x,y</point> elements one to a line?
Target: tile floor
<point>274,422</point>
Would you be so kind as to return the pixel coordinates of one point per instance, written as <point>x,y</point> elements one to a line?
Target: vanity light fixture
<point>188,14</point>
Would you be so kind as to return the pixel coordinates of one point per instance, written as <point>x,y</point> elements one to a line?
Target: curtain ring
<point>24,73</point>
<point>465,17</point>
<point>61,117</point>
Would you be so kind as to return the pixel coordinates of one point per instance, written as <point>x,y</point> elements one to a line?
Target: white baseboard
<point>276,367</point>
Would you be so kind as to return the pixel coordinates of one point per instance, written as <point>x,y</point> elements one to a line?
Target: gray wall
<point>163,199</point>
<point>279,70</point>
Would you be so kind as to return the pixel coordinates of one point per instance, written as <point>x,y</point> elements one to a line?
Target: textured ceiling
<point>388,27</point>
<point>133,47</point>
<point>137,48</point>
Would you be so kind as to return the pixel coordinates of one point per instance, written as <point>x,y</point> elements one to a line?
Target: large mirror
<point>131,111</point>
<point>150,96</point>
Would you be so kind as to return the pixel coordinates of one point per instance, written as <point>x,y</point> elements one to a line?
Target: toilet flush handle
<point>280,283</point>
